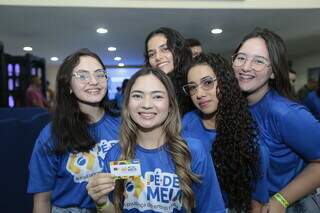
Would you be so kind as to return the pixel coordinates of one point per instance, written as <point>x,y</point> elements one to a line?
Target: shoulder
<point>277,106</point>
<point>44,141</point>
<point>191,119</point>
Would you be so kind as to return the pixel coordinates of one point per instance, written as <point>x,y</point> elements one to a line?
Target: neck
<point>257,95</point>
<point>94,111</point>
<point>151,139</point>
<point>209,121</point>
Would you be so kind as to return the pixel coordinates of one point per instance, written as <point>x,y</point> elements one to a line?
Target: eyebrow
<point>101,69</point>
<point>259,56</point>
<point>161,46</point>
<point>202,79</point>
<point>152,92</point>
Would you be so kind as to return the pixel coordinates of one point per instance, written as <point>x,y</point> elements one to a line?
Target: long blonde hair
<point>176,146</point>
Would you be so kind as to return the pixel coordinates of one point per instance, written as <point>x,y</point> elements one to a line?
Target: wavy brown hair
<point>175,145</point>
<point>235,150</point>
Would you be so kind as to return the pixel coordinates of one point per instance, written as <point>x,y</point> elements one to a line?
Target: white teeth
<point>162,64</point>
<point>93,91</point>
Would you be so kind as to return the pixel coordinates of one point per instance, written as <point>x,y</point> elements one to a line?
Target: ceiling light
<point>27,49</point>
<point>117,58</point>
<point>102,30</point>
<point>111,49</point>
<point>121,64</point>
<point>54,58</point>
<point>216,31</point>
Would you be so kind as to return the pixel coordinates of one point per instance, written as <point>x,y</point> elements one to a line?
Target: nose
<point>93,80</point>
<point>147,102</point>
<point>158,55</point>
<point>246,66</point>
<point>200,92</point>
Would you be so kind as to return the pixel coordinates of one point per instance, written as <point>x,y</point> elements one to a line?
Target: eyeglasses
<point>258,63</point>
<point>206,83</point>
<point>85,76</point>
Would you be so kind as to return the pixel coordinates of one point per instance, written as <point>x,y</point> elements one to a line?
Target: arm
<point>41,202</point>
<point>303,184</point>
<point>303,140</point>
<point>99,186</point>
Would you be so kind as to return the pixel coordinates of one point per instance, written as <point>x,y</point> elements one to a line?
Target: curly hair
<point>182,58</point>
<point>70,124</point>
<point>175,145</point>
<point>235,150</point>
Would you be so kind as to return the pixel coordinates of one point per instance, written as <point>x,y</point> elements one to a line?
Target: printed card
<point>124,169</point>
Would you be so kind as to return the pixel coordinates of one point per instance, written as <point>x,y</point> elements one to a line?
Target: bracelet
<point>281,200</point>
<point>100,208</point>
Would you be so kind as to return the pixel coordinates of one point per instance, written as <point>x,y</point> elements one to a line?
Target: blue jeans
<point>56,209</point>
<point>308,204</point>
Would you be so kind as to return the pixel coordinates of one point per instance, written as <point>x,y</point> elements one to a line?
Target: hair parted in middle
<point>182,56</point>
<point>277,51</point>
<point>235,151</point>
<point>174,143</point>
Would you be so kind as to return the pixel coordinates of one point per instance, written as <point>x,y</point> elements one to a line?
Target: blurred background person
<point>195,46</point>
<point>34,96</point>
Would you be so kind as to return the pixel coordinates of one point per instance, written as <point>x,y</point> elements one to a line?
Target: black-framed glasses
<point>206,83</point>
<point>85,76</point>
<point>258,63</point>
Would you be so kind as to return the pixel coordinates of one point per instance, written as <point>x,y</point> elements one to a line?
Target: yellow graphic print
<point>75,160</point>
<point>136,185</point>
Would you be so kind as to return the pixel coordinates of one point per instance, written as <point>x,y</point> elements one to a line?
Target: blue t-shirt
<point>157,190</point>
<point>193,126</point>
<point>67,175</point>
<point>312,101</point>
<point>290,133</point>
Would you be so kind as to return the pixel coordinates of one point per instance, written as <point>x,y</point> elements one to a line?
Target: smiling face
<point>159,54</point>
<point>251,81</point>
<point>92,90</point>
<point>148,103</point>
<point>205,98</point>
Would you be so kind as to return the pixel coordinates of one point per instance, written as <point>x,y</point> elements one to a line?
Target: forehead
<point>157,40</point>
<point>200,71</point>
<point>148,83</point>
<point>88,63</point>
<point>255,46</point>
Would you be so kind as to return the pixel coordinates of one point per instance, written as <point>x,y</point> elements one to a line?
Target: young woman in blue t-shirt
<point>177,174</point>
<point>71,149</point>
<point>225,127</point>
<point>289,131</point>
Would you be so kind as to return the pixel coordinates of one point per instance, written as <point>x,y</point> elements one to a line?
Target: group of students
<point>209,135</point>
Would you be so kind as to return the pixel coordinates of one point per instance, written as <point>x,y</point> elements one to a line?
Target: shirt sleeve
<point>300,130</point>
<point>207,192</point>
<point>43,165</point>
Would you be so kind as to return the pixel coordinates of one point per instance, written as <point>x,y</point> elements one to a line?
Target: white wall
<point>51,73</point>
<point>301,66</point>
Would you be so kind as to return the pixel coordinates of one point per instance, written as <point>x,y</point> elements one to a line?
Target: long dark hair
<point>278,59</point>
<point>70,124</point>
<point>176,146</point>
<point>182,58</point>
<point>235,150</point>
